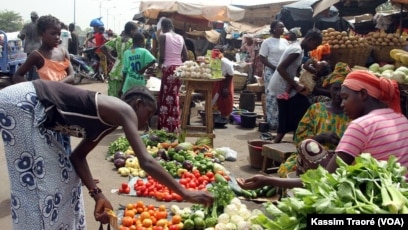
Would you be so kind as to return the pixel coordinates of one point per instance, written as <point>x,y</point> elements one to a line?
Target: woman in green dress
<point>118,45</point>
<point>325,122</point>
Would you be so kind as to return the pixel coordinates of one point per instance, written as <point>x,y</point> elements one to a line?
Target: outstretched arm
<point>116,112</point>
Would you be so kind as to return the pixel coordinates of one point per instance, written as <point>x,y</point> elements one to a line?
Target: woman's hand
<point>101,204</point>
<point>199,197</point>
<point>327,137</point>
<point>251,183</point>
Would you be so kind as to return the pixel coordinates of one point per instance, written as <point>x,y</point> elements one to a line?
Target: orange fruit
<point>140,204</point>
<point>144,215</point>
<point>162,223</point>
<point>162,207</point>
<point>127,221</point>
<point>176,219</point>
<point>130,212</point>
<point>130,206</point>
<point>147,223</point>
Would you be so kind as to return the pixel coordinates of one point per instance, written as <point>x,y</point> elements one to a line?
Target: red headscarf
<point>383,89</point>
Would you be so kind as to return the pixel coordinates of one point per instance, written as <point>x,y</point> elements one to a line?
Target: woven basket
<point>239,81</point>
<point>382,53</point>
<point>354,56</point>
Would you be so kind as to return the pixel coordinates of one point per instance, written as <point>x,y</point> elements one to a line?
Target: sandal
<point>267,136</point>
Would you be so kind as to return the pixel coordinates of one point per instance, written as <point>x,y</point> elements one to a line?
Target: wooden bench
<point>275,153</point>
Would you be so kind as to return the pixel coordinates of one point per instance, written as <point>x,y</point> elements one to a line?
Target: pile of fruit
<point>341,39</point>
<point>380,38</point>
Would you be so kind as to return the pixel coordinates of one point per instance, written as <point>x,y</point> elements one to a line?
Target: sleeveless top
<point>53,70</point>
<point>71,110</point>
<point>173,48</point>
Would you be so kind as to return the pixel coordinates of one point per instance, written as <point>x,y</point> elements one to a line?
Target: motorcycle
<point>86,66</point>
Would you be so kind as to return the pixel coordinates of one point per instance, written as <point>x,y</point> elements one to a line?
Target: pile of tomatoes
<point>190,180</point>
<point>139,216</point>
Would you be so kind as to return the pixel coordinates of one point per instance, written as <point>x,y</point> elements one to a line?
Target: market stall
<point>367,187</point>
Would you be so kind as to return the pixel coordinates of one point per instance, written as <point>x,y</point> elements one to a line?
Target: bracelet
<point>93,192</point>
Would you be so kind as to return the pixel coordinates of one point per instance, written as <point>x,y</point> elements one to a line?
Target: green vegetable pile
<point>366,187</point>
<point>121,144</point>
<point>154,137</point>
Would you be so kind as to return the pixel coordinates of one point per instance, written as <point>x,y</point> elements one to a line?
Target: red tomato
<point>168,197</point>
<point>183,181</point>
<point>126,190</point>
<point>158,228</point>
<point>192,184</point>
<point>209,174</point>
<point>177,197</point>
<point>125,185</point>
<point>173,227</point>
<point>159,196</point>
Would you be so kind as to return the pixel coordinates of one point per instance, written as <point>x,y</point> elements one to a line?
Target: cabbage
<point>387,67</point>
<point>374,67</point>
<point>399,76</point>
<point>402,69</point>
<point>186,146</point>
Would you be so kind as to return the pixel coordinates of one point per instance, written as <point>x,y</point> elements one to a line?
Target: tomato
<point>173,227</point>
<point>162,207</point>
<point>183,181</point>
<point>139,182</point>
<point>147,223</point>
<point>176,219</point>
<point>192,184</point>
<point>125,185</point>
<point>130,213</point>
<point>159,196</point>
<point>177,197</point>
<point>201,187</point>
<point>125,190</point>
<point>158,228</point>
<point>209,174</point>
<point>161,215</point>
<point>127,221</point>
<point>167,197</point>
<point>144,215</point>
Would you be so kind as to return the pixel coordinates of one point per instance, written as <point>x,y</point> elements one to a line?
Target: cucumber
<point>236,189</point>
<point>271,192</point>
<point>220,178</point>
<point>254,195</point>
<point>246,193</point>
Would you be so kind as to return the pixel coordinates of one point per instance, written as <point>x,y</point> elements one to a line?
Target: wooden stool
<point>277,152</point>
<point>206,87</point>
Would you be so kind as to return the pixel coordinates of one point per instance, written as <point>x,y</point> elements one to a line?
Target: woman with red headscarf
<point>378,127</point>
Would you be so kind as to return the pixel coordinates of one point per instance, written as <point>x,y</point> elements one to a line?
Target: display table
<point>206,87</point>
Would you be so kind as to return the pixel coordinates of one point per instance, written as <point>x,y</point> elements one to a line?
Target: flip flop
<point>267,136</point>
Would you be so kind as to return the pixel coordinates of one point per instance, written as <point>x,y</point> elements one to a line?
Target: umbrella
<point>322,6</point>
<point>304,10</point>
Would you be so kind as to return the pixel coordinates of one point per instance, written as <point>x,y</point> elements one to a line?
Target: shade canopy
<point>196,9</point>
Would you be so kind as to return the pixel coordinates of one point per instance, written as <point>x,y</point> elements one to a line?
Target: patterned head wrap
<point>383,89</point>
<point>339,74</point>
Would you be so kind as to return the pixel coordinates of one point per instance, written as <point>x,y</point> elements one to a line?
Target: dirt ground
<point>232,136</point>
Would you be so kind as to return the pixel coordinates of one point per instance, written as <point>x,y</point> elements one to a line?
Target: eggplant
<point>162,154</point>
<point>188,165</point>
<point>119,154</point>
<point>120,162</point>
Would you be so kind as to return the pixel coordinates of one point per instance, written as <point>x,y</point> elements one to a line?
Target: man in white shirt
<point>65,36</point>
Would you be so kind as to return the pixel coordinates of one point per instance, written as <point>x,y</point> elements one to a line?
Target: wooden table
<point>206,87</point>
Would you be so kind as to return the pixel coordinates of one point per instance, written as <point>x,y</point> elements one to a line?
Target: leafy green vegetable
<point>120,144</point>
<point>366,187</point>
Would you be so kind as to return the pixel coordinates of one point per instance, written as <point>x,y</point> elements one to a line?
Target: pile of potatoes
<point>385,39</point>
<point>341,39</point>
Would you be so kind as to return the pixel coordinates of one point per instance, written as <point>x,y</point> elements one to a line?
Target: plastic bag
<point>230,154</point>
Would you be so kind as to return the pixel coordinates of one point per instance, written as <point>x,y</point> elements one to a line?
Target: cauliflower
<point>224,218</point>
<point>230,226</point>
<point>243,225</point>
<point>235,219</point>
<point>230,209</point>
<point>244,213</point>
<point>220,226</point>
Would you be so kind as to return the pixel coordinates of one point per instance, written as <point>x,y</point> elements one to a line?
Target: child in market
<point>311,73</point>
<point>135,62</point>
